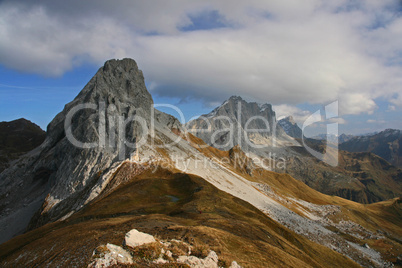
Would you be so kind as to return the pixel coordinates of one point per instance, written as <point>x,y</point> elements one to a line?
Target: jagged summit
<point>119,79</point>
<point>290,119</point>
<point>290,126</point>
<point>230,123</point>
<point>116,90</point>
<point>236,104</point>
<point>390,132</point>
<point>235,98</point>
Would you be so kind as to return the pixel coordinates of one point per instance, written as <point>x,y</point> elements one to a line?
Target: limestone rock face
<point>238,122</point>
<point>234,264</point>
<point>291,128</point>
<point>134,238</point>
<point>211,261</point>
<point>110,255</point>
<point>101,127</point>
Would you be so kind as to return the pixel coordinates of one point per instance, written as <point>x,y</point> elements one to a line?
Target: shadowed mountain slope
<point>386,144</point>
<point>361,177</point>
<point>16,138</point>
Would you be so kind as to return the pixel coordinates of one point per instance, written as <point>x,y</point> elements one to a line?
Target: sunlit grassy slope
<point>174,205</point>
<point>199,213</point>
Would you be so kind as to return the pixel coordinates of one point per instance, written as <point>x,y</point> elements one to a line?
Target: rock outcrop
<point>143,249</point>
<point>211,261</point>
<point>134,238</point>
<point>109,255</point>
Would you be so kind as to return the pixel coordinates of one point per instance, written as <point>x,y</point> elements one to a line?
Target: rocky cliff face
<point>291,128</point>
<point>115,94</point>
<point>238,122</point>
<point>101,127</point>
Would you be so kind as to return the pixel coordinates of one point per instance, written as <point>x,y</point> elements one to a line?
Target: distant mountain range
<point>111,163</point>
<point>292,129</point>
<point>386,144</point>
<point>333,139</point>
<point>374,183</point>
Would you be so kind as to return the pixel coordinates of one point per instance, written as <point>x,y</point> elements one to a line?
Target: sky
<point>298,56</point>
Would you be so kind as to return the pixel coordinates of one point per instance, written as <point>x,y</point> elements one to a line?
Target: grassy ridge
<point>199,214</point>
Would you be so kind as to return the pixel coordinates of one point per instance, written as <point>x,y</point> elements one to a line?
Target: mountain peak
<point>232,121</point>
<point>391,131</point>
<point>117,81</point>
<point>235,98</point>
<point>100,127</point>
<point>127,64</point>
<point>290,126</point>
<point>290,119</point>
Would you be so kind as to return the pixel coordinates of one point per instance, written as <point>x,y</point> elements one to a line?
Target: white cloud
<point>356,103</point>
<point>373,121</point>
<point>391,108</point>
<point>284,110</point>
<point>279,52</point>
<point>338,120</point>
<point>397,100</point>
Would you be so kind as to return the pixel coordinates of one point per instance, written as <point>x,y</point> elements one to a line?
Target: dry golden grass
<point>233,228</point>
<point>208,151</point>
<point>386,215</point>
<point>203,216</point>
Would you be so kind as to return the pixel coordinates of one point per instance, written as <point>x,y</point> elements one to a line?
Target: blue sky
<point>195,54</point>
<point>39,98</point>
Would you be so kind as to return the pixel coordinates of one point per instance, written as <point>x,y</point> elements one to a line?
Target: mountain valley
<point>111,163</point>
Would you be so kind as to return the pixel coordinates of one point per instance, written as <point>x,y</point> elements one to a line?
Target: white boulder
<point>160,261</point>
<point>234,265</point>
<point>212,256</point>
<point>211,261</point>
<point>192,261</point>
<point>134,238</point>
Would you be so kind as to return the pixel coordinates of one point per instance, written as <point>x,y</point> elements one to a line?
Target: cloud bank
<point>281,52</point>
